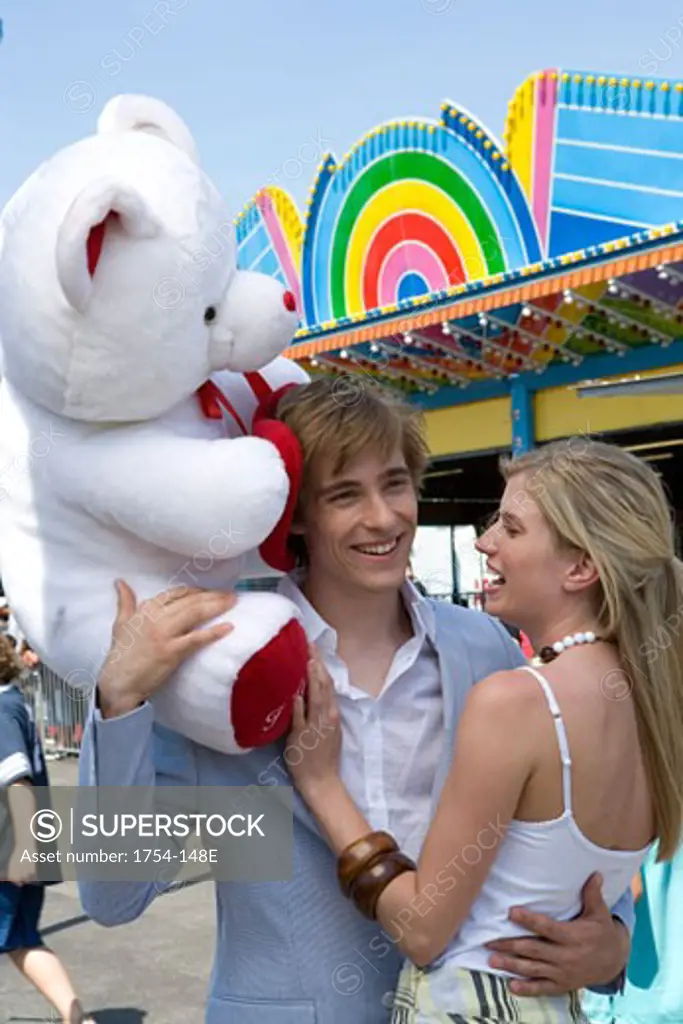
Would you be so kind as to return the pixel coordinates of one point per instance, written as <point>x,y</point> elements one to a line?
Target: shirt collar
<point>320,632</point>
<point>421,611</point>
<point>317,630</point>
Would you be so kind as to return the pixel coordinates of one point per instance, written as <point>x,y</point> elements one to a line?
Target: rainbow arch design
<point>269,237</point>
<point>414,209</point>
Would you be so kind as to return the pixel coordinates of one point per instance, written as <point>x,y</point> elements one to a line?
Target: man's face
<point>359,525</point>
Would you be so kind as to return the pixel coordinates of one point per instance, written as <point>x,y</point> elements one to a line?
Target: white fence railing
<point>59,710</point>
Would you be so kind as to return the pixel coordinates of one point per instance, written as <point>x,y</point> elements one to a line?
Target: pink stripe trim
<point>546,99</point>
<point>277,237</point>
<point>400,261</point>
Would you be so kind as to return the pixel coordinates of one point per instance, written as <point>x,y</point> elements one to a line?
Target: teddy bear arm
<point>181,493</point>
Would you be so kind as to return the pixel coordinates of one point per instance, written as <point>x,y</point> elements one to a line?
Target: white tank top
<point>542,866</point>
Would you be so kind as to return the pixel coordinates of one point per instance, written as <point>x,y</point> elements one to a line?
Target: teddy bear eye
<point>209,314</point>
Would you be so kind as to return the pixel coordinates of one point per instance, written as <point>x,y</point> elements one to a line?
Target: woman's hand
<point>316,734</point>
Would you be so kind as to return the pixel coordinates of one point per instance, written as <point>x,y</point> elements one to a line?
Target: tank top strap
<point>561,736</point>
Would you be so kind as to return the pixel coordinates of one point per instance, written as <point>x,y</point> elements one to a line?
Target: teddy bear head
<point>119,289</point>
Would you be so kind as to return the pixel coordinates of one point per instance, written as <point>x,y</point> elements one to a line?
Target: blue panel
<point>522,409</point>
<point>450,394</point>
<point>412,284</point>
<point>520,241</point>
<point>647,357</point>
<point>621,130</point>
<point>253,246</point>
<point>627,204</point>
<point>319,279</point>
<point>247,223</point>
<point>268,264</point>
<point>615,165</point>
<point>307,275</point>
<point>571,231</point>
<point>620,97</point>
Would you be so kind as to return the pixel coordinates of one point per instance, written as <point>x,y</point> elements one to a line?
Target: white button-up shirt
<point>392,742</point>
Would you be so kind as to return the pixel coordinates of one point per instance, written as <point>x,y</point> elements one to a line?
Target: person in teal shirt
<point>653,992</point>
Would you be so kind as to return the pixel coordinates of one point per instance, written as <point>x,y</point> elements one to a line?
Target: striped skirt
<point>453,995</point>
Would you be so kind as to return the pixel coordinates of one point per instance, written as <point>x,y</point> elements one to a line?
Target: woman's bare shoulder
<point>509,692</point>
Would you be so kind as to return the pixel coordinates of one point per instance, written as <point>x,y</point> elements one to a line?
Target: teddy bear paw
<point>265,688</point>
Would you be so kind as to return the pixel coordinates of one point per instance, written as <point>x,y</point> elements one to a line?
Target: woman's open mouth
<point>496,581</point>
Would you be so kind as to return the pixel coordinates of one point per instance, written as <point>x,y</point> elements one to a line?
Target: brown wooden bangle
<point>372,882</point>
<point>360,854</point>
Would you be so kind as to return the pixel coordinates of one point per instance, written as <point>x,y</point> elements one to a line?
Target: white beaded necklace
<point>551,651</point>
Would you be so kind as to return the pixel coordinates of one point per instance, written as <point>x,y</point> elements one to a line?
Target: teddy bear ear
<point>131,113</point>
<point>82,233</point>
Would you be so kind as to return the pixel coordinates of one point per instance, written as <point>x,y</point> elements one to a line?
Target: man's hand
<point>150,640</point>
<point>590,950</point>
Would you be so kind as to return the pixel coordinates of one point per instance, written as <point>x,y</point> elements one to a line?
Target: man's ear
<point>101,207</point>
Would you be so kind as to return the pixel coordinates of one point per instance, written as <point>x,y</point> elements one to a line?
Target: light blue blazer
<point>294,952</point>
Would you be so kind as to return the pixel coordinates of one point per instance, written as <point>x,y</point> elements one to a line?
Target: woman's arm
<point>423,909</point>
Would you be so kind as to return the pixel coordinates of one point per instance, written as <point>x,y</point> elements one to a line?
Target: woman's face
<point>531,571</point>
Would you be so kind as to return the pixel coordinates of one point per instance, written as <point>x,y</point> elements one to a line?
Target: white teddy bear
<point>120,446</point>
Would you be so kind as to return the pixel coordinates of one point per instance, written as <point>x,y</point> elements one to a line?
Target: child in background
<point>22,766</point>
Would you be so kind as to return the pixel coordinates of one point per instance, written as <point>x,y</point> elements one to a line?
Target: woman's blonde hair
<point>600,499</point>
<point>343,417</point>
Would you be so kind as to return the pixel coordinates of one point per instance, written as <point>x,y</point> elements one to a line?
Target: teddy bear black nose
<point>209,314</point>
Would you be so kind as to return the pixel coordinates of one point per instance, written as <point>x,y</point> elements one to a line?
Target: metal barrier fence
<point>59,711</point>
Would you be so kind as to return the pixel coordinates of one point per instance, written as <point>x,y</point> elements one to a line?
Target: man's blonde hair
<point>342,418</point>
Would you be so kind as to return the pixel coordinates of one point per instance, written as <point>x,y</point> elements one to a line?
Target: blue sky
<point>266,85</point>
